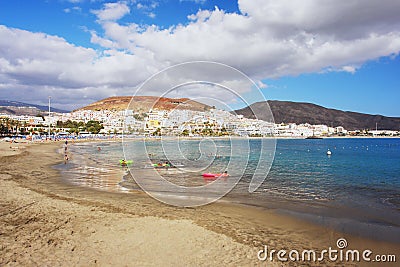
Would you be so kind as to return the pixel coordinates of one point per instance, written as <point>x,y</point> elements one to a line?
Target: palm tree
<point>25,125</point>
<point>3,128</point>
<point>17,127</point>
<point>7,121</point>
<point>10,125</point>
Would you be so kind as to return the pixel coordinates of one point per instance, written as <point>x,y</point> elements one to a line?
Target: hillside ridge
<point>299,112</point>
<point>145,103</point>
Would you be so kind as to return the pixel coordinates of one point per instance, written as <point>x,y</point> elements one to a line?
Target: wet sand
<point>45,221</point>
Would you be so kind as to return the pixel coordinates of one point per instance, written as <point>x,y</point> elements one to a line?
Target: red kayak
<point>214,175</point>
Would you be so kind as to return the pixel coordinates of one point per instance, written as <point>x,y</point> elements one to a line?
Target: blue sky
<point>338,56</point>
<point>68,19</point>
<point>373,89</point>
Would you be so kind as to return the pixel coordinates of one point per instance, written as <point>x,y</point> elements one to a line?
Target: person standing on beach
<point>66,146</point>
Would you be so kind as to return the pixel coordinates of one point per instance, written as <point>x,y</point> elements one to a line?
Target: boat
<point>125,162</point>
<point>313,137</point>
<point>162,165</point>
<point>214,175</point>
<point>328,152</point>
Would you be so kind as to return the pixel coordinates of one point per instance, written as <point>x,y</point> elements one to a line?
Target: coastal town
<point>162,122</point>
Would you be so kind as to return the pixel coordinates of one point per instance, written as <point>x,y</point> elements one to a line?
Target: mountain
<point>294,112</point>
<point>20,108</point>
<point>145,103</point>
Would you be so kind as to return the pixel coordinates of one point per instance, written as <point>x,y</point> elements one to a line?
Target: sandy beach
<point>46,221</point>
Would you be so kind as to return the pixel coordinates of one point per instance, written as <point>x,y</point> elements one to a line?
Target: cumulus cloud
<point>39,64</point>
<point>267,39</point>
<point>112,11</point>
<point>274,38</point>
<point>350,20</point>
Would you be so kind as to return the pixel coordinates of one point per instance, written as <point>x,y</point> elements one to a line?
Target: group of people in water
<point>166,164</point>
<point>161,164</point>
<point>66,158</point>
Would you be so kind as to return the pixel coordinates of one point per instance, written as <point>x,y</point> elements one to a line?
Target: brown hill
<point>145,103</point>
<point>293,112</point>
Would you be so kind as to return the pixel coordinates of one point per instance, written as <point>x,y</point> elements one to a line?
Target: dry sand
<point>45,221</point>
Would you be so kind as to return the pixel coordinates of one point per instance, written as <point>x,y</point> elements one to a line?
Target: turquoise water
<point>356,189</point>
<point>357,168</point>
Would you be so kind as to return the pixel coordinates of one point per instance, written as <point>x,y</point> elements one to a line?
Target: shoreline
<point>243,229</point>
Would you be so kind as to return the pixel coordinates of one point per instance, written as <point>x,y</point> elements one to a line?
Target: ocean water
<point>356,189</point>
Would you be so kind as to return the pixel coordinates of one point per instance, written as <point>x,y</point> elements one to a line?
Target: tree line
<point>92,126</point>
<point>10,126</point>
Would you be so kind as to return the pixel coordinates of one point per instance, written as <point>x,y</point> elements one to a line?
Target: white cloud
<point>75,8</point>
<point>149,6</point>
<point>274,38</point>
<point>350,69</point>
<point>112,11</point>
<point>269,38</point>
<point>32,62</point>
<point>195,1</point>
<point>261,85</point>
<point>147,9</point>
